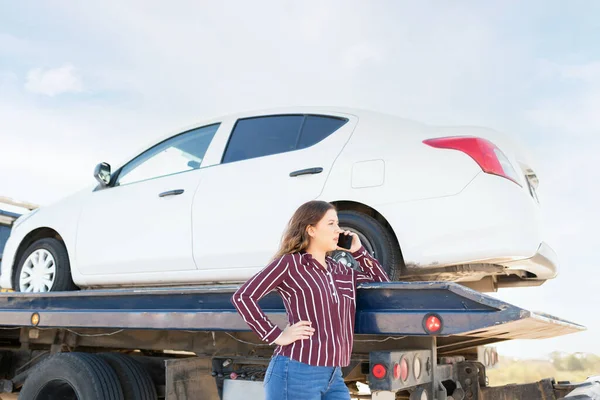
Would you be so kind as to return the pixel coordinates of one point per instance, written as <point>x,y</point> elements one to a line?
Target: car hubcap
<point>345,258</point>
<point>38,272</point>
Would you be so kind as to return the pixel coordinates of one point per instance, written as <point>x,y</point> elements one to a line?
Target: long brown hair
<point>296,238</point>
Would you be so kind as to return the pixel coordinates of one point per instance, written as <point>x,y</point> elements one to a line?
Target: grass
<point>562,367</point>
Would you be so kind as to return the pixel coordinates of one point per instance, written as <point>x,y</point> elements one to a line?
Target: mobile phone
<point>345,241</point>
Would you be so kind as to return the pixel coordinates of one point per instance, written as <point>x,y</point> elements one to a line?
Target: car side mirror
<point>102,173</point>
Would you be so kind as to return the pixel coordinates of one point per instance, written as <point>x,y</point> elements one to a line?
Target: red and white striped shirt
<point>310,292</point>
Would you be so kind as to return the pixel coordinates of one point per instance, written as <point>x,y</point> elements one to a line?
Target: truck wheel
<point>135,380</point>
<point>44,267</point>
<point>72,376</point>
<point>378,241</point>
<point>420,394</point>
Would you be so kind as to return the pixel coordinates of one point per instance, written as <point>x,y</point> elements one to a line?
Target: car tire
<point>63,280</point>
<point>72,375</point>
<point>381,243</point>
<point>135,380</point>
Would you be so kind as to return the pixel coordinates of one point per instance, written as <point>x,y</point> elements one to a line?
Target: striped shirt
<point>324,296</point>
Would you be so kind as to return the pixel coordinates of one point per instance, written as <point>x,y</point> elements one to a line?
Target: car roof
<point>359,113</point>
<point>325,110</point>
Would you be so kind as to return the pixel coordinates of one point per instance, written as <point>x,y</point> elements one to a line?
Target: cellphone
<point>345,241</point>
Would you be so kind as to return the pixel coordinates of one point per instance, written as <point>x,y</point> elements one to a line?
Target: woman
<point>319,295</point>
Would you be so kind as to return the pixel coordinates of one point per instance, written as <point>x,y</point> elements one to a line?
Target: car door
<point>142,222</point>
<point>271,165</point>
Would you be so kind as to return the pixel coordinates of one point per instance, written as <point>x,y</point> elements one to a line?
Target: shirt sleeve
<point>372,270</point>
<point>246,298</point>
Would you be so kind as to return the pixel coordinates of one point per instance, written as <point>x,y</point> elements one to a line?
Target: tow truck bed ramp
<point>391,308</point>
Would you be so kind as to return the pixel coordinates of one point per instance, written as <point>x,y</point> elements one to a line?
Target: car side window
<point>180,153</point>
<point>263,136</point>
<point>317,128</point>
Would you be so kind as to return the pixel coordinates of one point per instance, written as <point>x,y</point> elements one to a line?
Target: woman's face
<point>325,234</point>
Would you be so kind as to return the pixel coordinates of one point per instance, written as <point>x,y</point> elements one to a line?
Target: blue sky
<point>81,83</point>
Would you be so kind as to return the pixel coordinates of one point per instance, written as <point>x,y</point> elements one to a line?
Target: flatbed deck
<point>469,318</point>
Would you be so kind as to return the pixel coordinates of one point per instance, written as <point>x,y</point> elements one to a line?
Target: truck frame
<point>413,340</point>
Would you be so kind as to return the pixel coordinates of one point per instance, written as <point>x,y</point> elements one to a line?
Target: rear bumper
<point>544,263</point>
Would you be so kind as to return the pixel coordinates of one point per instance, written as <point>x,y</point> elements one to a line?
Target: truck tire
<point>135,380</point>
<point>72,376</point>
<point>378,240</point>
<point>50,247</point>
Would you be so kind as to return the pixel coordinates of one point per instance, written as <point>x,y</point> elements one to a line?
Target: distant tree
<point>573,362</point>
<point>558,360</point>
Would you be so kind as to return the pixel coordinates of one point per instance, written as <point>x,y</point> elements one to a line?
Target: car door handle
<point>307,171</point>
<point>171,193</point>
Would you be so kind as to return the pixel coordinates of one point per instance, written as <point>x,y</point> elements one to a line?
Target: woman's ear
<point>310,231</point>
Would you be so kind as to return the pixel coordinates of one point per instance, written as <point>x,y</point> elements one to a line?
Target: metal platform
<point>386,308</point>
<point>393,309</point>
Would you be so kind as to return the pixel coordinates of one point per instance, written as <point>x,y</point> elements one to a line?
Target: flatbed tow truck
<point>413,340</point>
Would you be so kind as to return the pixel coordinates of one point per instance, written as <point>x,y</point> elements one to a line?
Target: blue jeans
<point>290,379</point>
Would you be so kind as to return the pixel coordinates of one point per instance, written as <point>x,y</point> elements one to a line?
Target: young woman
<point>319,296</point>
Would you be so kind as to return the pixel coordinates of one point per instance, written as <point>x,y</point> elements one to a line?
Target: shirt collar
<point>312,261</point>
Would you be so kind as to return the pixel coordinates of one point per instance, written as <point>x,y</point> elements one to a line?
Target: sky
<point>84,82</point>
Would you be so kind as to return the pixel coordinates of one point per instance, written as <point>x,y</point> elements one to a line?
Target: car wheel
<point>376,239</point>
<point>44,267</point>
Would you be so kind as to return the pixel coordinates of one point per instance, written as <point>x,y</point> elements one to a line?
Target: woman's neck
<point>318,255</point>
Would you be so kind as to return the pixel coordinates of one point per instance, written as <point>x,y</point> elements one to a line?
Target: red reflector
<point>403,369</point>
<point>396,371</point>
<point>489,157</point>
<point>379,371</point>
<point>432,323</point>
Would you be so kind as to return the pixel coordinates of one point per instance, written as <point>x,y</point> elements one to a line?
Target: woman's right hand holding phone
<point>300,330</point>
<point>353,239</point>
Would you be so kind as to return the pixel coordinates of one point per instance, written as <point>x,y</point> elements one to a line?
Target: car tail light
<point>379,371</point>
<point>489,157</point>
<point>432,323</point>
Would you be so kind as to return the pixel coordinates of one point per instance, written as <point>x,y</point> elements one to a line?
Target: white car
<point>209,205</point>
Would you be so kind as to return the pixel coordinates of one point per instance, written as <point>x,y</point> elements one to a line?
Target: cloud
<point>361,53</point>
<point>52,82</point>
